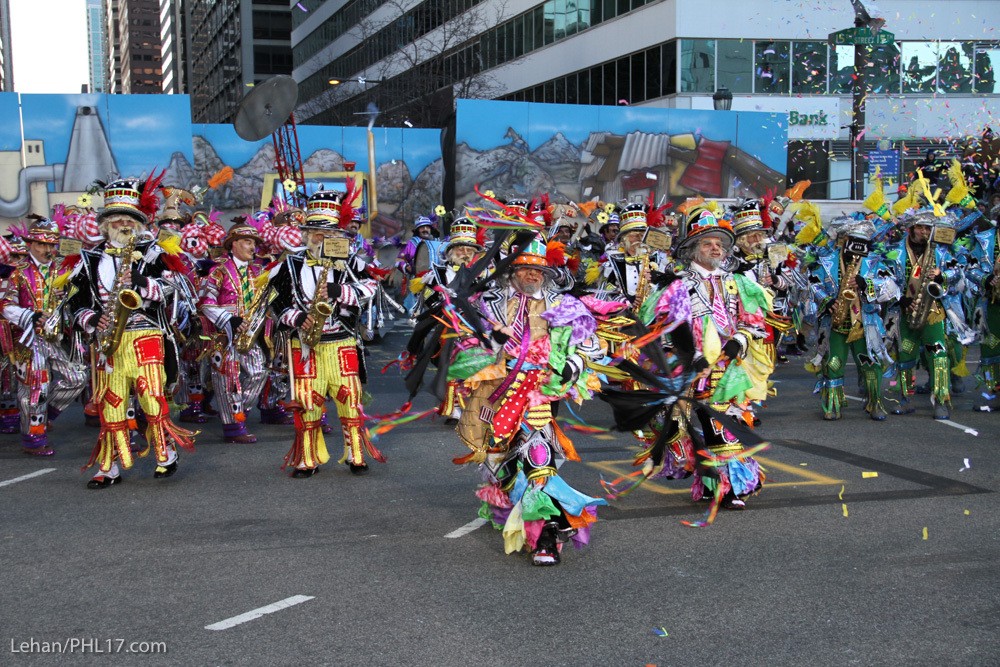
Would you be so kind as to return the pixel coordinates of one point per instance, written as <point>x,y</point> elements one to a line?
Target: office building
<point>933,81</point>
<point>231,46</point>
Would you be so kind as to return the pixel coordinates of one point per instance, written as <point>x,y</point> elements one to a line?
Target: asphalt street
<point>871,544</point>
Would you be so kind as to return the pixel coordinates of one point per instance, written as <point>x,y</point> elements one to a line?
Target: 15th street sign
<point>862,36</point>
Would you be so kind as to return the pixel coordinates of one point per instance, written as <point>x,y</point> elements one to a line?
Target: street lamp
<point>336,80</point>
<point>722,100</point>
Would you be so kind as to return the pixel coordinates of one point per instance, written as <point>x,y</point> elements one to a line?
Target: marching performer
<point>234,300</point>
<point>539,345</point>
<point>461,250</point>
<point>48,380</point>
<point>121,287</point>
<point>424,229</point>
<point>318,298</point>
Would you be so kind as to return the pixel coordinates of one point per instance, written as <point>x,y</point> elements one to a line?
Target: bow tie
<point>313,262</point>
<point>116,252</point>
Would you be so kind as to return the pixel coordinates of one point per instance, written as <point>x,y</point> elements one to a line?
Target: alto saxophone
<point>319,310</point>
<point>256,315</point>
<point>643,283</point>
<point>846,296</point>
<point>121,301</point>
<point>924,293</point>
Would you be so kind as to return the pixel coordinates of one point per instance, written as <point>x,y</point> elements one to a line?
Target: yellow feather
<point>959,193</point>
<point>260,281</point>
<point>60,281</point>
<point>416,284</point>
<point>592,272</point>
<point>170,243</point>
<point>875,202</point>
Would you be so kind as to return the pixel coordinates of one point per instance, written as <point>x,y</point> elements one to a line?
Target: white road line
<point>28,476</point>
<point>961,427</point>
<point>946,422</point>
<point>257,613</point>
<point>467,528</point>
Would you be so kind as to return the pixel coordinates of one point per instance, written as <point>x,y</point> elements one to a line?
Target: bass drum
<point>386,256</point>
<point>428,252</point>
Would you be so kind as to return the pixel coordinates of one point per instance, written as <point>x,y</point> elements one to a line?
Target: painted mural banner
<point>53,148</point>
<point>616,153</point>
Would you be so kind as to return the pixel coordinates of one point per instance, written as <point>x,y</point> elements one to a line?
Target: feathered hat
<point>633,219</point>
<point>704,220</point>
<point>132,197</point>
<point>42,230</point>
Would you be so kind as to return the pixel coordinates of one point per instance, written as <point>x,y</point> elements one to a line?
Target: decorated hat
<point>851,226</point>
<point>42,230</point>
<point>240,231</point>
<point>131,197</point>
<point>702,222</point>
<point>171,215</point>
<point>463,233</point>
<point>633,219</point>
<point>534,255</point>
<point>609,214</point>
<point>747,217</point>
<point>323,210</point>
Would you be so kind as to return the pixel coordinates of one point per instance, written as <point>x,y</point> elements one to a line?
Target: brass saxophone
<point>256,315</point>
<point>643,283</point>
<point>121,300</point>
<point>846,296</point>
<point>924,293</point>
<point>319,310</point>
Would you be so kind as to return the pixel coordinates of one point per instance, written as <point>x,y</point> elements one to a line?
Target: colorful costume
<point>508,422</point>
<point>48,379</point>
<point>133,361</point>
<point>331,291</point>
<point>231,295</point>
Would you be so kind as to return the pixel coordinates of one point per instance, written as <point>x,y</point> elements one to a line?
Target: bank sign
<point>809,118</point>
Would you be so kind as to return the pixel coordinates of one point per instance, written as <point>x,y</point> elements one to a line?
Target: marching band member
<point>318,299</point>
<point>233,300</point>
<point>48,380</point>
<point>120,291</point>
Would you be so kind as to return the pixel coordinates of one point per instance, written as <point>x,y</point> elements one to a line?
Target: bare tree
<point>435,55</point>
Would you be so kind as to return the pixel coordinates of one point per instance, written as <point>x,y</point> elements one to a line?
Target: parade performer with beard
<point>461,250</point>
<point>32,301</point>
<point>536,355</point>
<point>234,300</point>
<point>318,299</point>
<point>121,287</point>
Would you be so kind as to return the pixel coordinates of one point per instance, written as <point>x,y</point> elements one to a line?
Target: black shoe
<point>358,469</point>
<point>165,471</point>
<point>957,385</point>
<point>103,482</point>
<point>451,421</point>
<point>781,359</point>
<point>546,552</point>
<point>302,473</point>
<point>923,389</point>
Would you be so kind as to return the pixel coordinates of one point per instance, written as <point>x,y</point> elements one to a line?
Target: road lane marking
<point>261,611</point>
<point>28,476</point>
<point>854,398</point>
<point>961,427</point>
<point>467,528</point>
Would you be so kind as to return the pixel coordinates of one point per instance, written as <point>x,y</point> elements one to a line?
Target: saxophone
<point>256,315</point>
<point>121,300</point>
<point>643,284</point>
<point>924,293</point>
<point>846,296</point>
<point>319,310</point>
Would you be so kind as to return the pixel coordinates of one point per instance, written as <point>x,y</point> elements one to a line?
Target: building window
<point>954,67</point>
<point>986,55</point>
<point>772,67</point>
<point>697,65</point>
<point>919,61</point>
<point>735,65</point>
<point>809,69</point>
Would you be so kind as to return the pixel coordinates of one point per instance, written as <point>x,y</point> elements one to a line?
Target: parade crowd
<point>522,309</point>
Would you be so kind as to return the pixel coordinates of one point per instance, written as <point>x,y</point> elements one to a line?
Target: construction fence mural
<point>617,153</point>
<point>53,148</point>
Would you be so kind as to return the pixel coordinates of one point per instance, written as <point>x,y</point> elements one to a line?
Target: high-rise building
<point>112,48</point>
<point>926,80</point>
<point>95,45</point>
<point>6,62</point>
<point>139,26</point>
<point>232,45</point>
<point>173,46</point>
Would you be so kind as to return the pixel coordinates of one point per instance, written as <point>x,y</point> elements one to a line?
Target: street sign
<point>861,36</point>
<point>887,163</point>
